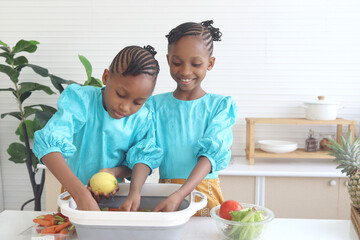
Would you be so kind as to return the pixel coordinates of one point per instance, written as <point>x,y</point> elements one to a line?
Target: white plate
<point>277,146</point>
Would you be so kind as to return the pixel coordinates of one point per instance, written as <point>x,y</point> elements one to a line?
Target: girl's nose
<point>124,108</point>
<point>185,70</point>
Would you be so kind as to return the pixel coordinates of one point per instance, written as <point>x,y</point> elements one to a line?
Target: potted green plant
<point>31,117</point>
<point>347,155</point>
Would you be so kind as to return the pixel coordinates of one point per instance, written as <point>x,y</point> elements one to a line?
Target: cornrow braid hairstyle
<point>135,60</point>
<point>203,29</point>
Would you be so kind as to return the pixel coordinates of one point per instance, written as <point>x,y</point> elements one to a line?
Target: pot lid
<point>321,101</point>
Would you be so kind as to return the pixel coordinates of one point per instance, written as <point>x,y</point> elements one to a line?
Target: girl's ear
<point>211,63</point>
<point>105,76</point>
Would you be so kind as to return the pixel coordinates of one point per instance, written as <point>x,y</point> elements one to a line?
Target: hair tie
<point>150,49</point>
<point>173,35</point>
<point>215,32</point>
<point>207,23</point>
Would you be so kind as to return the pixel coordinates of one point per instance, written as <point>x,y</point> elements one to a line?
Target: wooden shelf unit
<point>252,153</point>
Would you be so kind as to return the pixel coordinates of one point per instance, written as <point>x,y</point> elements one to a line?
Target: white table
<point>13,223</point>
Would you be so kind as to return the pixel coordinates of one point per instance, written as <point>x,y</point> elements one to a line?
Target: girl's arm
<point>118,172</point>
<point>138,178</point>
<point>56,163</point>
<point>172,203</point>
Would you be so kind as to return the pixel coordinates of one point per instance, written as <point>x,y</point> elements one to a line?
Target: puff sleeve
<point>218,137</point>
<point>145,149</point>
<point>58,133</point>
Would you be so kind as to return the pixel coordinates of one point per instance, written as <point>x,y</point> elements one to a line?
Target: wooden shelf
<point>298,153</point>
<point>252,153</point>
<point>300,121</point>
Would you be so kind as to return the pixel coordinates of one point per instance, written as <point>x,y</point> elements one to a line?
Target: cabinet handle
<point>333,183</point>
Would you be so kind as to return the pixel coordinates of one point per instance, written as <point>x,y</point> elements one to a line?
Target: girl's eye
<point>122,96</point>
<point>176,64</point>
<point>196,64</point>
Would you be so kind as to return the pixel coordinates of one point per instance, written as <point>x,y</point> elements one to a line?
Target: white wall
<point>274,55</point>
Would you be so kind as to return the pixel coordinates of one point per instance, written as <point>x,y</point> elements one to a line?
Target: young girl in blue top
<point>104,129</point>
<point>193,127</point>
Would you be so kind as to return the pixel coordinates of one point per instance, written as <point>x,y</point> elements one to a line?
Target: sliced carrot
<point>49,230</point>
<point>44,222</point>
<point>64,231</point>
<point>60,227</point>
<point>49,217</point>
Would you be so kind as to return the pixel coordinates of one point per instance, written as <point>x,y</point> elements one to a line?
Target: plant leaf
<point>17,152</point>
<point>8,56</point>
<point>56,84</point>
<point>29,110</point>
<point>62,81</point>
<point>20,67</point>
<point>4,44</point>
<point>20,61</point>
<point>39,70</point>
<point>14,114</point>
<point>31,86</point>
<point>31,127</point>
<point>6,49</point>
<point>7,89</point>
<point>87,65</point>
<point>5,54</point>
<point>44,107</point>
<point>25,46</point>
<point>93,82</point>
<point>24,96</point>
<point>43,117</point>
<point>12,73</point>
<point>20,133</point>
<point>58,81</point>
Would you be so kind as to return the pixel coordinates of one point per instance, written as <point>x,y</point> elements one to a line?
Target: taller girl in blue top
<point>104,129</point>
<point>193,127</point>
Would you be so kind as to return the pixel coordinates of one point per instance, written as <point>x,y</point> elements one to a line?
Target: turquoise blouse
<point>89,139</point>
<point>186,130</point>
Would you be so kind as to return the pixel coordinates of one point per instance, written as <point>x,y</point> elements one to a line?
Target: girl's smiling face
<point>189,60</point>
<point>125,95</point>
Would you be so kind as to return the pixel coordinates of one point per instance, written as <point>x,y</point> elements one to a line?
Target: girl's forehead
<point>135,84</point>
<point>189,45</point>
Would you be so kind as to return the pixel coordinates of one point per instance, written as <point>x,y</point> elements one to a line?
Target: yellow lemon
<point>103,182</point>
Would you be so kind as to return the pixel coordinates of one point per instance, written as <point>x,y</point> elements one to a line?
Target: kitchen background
<point>274,55</point>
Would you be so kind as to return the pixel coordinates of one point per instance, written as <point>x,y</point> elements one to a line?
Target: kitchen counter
<point>266,167</point>
<point>13,223</point>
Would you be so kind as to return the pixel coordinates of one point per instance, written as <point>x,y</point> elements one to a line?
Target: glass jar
<point>311,144</point>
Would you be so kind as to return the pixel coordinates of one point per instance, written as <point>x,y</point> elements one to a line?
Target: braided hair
<point>135,60</point>
<point>204,29</point>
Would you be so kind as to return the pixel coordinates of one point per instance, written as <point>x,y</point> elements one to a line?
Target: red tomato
<point>227,207</point>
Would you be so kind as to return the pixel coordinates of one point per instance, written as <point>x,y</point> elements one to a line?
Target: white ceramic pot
<point>321,109</point>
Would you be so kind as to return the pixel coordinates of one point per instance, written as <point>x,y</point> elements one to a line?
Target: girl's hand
<point>87,203</point>
<point>131,203</point>
<point>170,204</point>
<point>98,196</point>
<point>138,177</point>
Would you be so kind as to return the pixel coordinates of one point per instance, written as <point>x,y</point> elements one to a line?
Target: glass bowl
<point>242,230</point>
